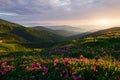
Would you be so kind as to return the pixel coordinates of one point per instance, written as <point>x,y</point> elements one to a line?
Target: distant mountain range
<point>40,36</point>
<point>64,30</point>
<point>61,30</point>
<point>104,31</point>
<point>69,31</point>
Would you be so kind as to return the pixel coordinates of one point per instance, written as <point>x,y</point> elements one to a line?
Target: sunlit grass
<point>93,58</point>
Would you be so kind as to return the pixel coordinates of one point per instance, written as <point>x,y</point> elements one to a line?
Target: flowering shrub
<point>69,68</point>
<point>76,61</point>
<point>5,68</point>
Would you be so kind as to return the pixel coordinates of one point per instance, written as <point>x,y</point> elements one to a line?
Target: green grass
<point>15,33</point>
<point>8,47</point>
<point>91,58</point>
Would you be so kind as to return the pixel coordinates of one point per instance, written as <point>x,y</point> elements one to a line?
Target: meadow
<point>89,58</point>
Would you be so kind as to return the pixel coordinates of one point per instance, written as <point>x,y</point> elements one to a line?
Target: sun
<point>104,22</point>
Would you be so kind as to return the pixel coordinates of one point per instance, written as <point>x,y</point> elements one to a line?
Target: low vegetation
<point>90,58</point>
<point>28,37</point>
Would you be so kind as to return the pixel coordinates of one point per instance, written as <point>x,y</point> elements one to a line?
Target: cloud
<point>46,10</point>
<point>60,2</point>
<point>65,4</point>
<point>8,14</point>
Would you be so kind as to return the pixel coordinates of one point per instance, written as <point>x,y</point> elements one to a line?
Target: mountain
<point>78,29</point>
<point>69,31</point>
<point>15,33</point>
<point>77,36</point>
<point>104,31</point>
<point>96,33</point>
<point>93,57</point>
<point>102,45</point>
<point>65,27</point>
<point>63,32</point>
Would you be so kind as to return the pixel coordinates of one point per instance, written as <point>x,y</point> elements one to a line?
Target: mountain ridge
<point>62,32</point>
<point>17,33</point>
<point>104,31</point>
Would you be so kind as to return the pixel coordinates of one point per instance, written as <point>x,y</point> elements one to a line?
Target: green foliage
<point>5,47</point>
<point>15,33</point>
<point>93,58</point>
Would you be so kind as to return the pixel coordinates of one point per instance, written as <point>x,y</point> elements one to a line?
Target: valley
<point>40,54</point>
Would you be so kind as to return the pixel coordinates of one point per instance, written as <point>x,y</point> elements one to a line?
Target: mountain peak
<point>4,20</point>
<point>13,32</point>
<point>6,23</point>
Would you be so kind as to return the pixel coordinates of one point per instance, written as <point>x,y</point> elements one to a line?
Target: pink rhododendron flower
<point>26,68</point>
<point>9,68</point>
<point>56,61</point>
<point>63,71</point>
<point>45,69</point>
<point>32,69</point>
<point>4,72</point>
<point>43,73</point>
<point>25,62</point>
<point>82,57</point>
<point>74,77</point>
<point>94,69</point>
<point>74,73</point>
<point>56,68</point>
<point>3,64</point>
<point>118,78</point>
<point>74,59</point>
<point>61,74</point>
<point>67,76</point>
<point>100,60</point>
<point>32,77</point>
<point>79,77</point>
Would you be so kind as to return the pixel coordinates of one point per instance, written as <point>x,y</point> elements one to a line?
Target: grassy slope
<point>93,58</point>
<point>20,35</point>
<point>5,47</point>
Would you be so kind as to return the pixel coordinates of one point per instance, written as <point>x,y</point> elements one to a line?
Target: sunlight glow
<point>104,22</point>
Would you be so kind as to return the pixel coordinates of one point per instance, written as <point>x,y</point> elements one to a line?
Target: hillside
<point>78,36</point>
<point>106,41</point>
<point>110,30</point>
<point>92,57</point>
<point>15,33</point>
<point>65,31</point>
<point>94,33</point>
<point>65,27</point>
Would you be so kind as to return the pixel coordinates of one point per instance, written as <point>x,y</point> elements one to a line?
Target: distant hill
<point>69,31</point>
<point>92,57</point>
<point>63,32</point>
<point>77,36</point>
<point>110,30</point>
<point>100,32</point>
<point>65,27</point>
<point>103,42</point>
<point>15,33</point>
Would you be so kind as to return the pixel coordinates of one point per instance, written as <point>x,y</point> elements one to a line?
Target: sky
<point>61,12</point>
